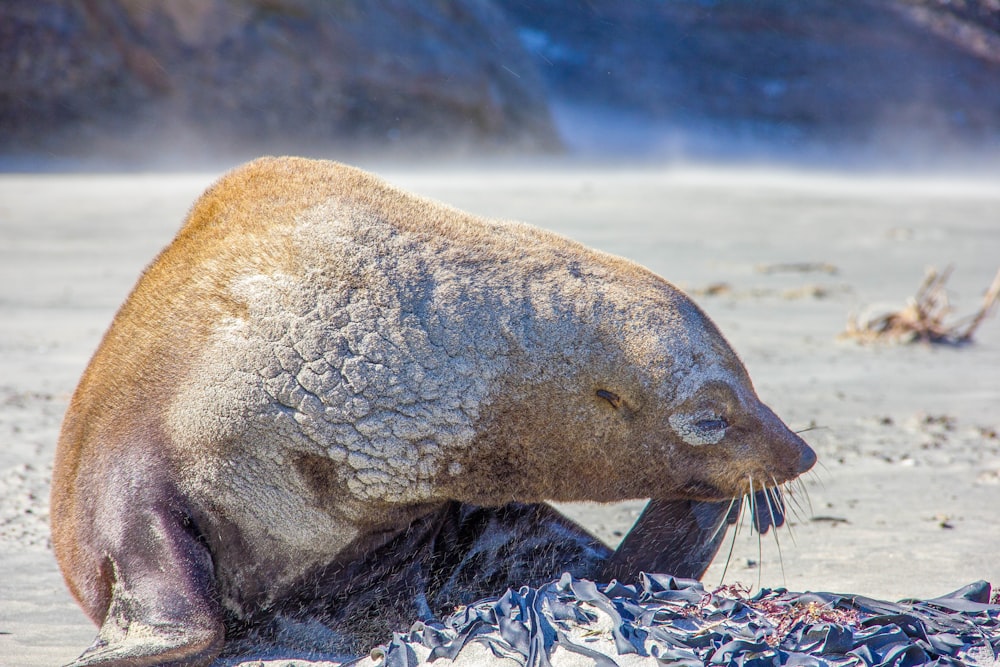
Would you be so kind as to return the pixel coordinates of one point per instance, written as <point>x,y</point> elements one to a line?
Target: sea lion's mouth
<point>707,492</point>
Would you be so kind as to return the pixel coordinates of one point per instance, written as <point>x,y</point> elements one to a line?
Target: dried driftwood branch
<point>923,319</point>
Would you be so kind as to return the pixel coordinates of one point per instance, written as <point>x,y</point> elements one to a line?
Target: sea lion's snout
<point>732,444</point>
<point>807,458</point>
<point>731,439</point>
<point>788,447</point>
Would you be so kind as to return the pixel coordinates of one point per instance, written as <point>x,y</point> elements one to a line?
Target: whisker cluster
<point>767,506</point>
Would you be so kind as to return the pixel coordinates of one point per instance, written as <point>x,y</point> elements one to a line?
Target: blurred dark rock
<point>889,76</point>
<point>197,79</point>
<point>136,79</point>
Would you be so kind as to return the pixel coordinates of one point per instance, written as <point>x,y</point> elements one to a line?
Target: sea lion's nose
<point>807,458</point>
<point>790,443</point>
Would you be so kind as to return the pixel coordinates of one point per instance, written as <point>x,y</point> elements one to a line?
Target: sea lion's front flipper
<point>480,551</point>
<point>681,537</point>
<point>678,537</point>
<point>142,645</point>
<point>162,609</point>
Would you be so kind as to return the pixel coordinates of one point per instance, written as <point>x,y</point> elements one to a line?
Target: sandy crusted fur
<point>363,335</point>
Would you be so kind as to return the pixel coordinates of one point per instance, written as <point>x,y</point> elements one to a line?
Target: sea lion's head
<point>633,394</point>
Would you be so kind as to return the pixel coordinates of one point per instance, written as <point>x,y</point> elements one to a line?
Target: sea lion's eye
<point>711,424</point>
<point>614,399</point>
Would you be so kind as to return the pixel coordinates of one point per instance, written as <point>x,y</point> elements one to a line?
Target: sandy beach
<point>904,503</point>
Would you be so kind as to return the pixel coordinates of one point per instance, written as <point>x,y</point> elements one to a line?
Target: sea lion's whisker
<point>777,492</point>
<point>755,522</point>
<point>805,492</point>
<point>725,519</point>
<point>781,560</point>
<point>772,494</point>
<point>785,493</point>
<point>794,491</point>
<point>732,542</point>
<point>797,508</point>
<point>780,493</point>
<point>775,500</point>
<point>819,465</point>
<point>740,514</point>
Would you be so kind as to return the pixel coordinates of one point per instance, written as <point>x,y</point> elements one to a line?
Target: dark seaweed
<point>676,621</point>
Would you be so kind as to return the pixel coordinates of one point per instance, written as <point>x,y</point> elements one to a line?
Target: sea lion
<point>330,400</point>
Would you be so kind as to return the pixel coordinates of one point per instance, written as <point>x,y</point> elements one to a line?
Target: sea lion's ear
<point>611,397</point>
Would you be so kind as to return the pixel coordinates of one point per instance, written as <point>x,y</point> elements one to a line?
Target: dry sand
<point>905,502</point>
